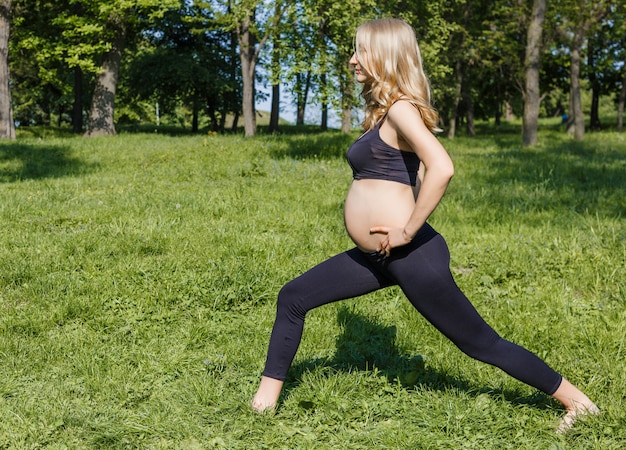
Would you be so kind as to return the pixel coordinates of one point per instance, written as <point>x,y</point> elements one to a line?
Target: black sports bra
<point>371,158</point>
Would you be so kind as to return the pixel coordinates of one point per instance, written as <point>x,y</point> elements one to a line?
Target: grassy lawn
<point>138,277</point>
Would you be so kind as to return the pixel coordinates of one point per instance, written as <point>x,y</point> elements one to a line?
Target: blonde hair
<point>393,60</point>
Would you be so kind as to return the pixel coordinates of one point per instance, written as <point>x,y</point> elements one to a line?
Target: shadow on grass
<point>365,345</point>
<point>565,162</point>
<point>327,145</point>
<point>559,176</point>
<point>179,130</point>
<point>20,161</point>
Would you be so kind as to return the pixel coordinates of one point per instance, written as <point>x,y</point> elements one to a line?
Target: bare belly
<point>376,203</point>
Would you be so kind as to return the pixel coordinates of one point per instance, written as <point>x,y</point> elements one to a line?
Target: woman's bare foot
<point>267,395</point>
<point>567,422</point>
<point>576,403</point>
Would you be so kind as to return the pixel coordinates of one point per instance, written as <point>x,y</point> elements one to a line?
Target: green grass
<point>138,277</point>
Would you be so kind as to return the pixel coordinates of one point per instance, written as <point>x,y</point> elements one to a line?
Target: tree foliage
<point>201,70</point>
<point>116,60</point>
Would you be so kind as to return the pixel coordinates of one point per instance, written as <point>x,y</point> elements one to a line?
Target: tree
<point>576,123</point>
<point>121,21</point>
<point>460,47</point>
<point>619,17</point>
<point>307,61</point>
<point>101,118</point>
<point>474,53</point>
<point>513,55</point>
<point>532,97</point>
<point>7,126</point>
<point>605,46</point>
<point>249,54</point>
<point>240,17</point>
<point>621,100</point>
<point>53,49</point>
<point>574,19</point>
<point>278,49</point>
<point>336,25</point>
<point>198,70</point>
<point>275,109</point>
<point>298,58</point>
<point>448,51</point>
<point>321,37</point>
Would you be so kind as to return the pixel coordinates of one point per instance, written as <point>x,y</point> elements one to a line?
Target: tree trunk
<point>233,105</point>
<point>470,126</point>
<point>101,116</point>
<point>275,111</point>
<point>195,117</point>
<point>324,89</point>
<point>215,123</point>
<point>577,124</point>
<point>346,119</point>
<point>468,103</point>
<point>77,110</point>
<point>594,114</point>
<point>274,115</point>
<point>347,102</point>
<point>569,123</point>
<point>302,93</point>
<point>531,95</point>
<point>498,115</point>
<point>247,56</point>
<point>235,122</point>
<point>7,126</point>
<point>622,100</point>
<point>509,115</point>
<point>458,70</point>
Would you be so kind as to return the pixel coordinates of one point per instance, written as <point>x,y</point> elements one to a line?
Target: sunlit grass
<point>138,277</point>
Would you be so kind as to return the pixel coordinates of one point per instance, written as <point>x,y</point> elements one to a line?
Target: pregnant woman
<point>401,172</point>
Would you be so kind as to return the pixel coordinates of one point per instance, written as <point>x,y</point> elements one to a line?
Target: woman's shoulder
<point>404,110</point>
<point>404,105</point>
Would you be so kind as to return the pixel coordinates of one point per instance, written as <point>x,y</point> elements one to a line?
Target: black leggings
<point>421,269</point>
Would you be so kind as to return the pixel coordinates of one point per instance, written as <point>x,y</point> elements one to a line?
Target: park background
<point>94,66</point>
<point>141,253</point>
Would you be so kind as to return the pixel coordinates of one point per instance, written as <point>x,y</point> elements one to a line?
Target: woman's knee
<point>488,348</point>
<point>290,299</point>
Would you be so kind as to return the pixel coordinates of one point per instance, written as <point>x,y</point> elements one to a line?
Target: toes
<point>568,421</point>
<point>260,407</point>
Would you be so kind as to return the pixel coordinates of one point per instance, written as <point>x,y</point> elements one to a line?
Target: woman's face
<point>359,61</point>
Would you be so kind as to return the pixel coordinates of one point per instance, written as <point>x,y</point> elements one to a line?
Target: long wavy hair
<point>393,60</point>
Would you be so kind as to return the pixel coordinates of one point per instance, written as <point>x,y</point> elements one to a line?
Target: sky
<point>288,109</point>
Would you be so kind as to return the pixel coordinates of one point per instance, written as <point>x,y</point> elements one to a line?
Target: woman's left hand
<point>392,238</point>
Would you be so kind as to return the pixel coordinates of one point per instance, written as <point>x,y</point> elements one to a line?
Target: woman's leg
<point>346,275</point>
<point>424,276</point>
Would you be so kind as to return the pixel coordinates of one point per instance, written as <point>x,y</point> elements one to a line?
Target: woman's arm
<point>413,135</point>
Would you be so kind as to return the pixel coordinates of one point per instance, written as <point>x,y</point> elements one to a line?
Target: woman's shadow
<point>365,345</point>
